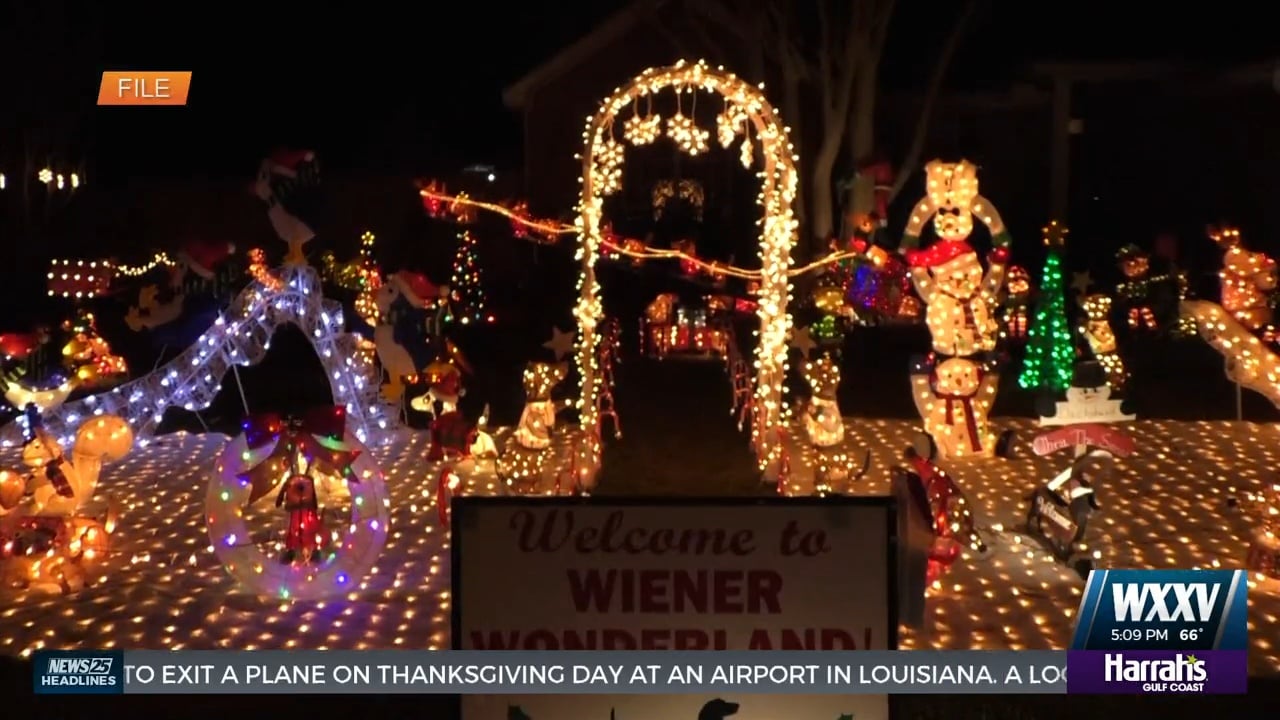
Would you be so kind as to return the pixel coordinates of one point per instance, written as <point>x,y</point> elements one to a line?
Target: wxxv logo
<point>1161,631</point>
<point>79,672</point>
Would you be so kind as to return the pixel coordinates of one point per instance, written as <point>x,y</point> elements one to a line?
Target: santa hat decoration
<point>284,172</point>
<point>204,258</point>
<point>939,253</point>
<point>288,162</point>
<point>416,287</point>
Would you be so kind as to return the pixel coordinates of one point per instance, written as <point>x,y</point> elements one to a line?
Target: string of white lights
<point>240,337</point>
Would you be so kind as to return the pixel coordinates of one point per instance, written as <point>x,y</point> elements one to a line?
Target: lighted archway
<point>746,113</point>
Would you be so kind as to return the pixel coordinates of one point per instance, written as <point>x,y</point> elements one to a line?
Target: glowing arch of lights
<point>746,112</point>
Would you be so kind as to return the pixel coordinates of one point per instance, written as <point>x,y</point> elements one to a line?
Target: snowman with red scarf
<point>955,387</point>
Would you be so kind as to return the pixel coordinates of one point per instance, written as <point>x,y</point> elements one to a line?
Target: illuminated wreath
<point>308,469</point>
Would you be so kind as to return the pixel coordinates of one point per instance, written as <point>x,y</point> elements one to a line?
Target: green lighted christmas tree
<point>467,288</point>
<point>1049,361</point>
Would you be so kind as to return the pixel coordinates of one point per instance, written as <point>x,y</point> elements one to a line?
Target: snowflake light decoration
<point>642,129</point>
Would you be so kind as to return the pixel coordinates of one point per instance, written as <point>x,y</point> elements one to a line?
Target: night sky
<point>416,87</point>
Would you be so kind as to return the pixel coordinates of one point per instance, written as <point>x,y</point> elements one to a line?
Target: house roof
<point>618,24</point>
<point>1263,71</point>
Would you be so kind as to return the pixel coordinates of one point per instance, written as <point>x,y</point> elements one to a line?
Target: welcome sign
<point>596,574</point>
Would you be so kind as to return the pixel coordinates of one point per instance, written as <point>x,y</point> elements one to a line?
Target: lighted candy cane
<point>446,483</point>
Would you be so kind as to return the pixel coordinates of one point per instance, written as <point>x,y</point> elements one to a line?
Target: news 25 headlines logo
<point>1161,631</point>
<point>79,672</point>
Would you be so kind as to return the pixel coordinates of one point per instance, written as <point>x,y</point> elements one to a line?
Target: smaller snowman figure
<point>954,397</point>
<point>822,420</point>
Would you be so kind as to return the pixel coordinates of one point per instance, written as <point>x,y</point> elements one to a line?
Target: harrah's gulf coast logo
<point>1175,631</point>
<point>78,672</point>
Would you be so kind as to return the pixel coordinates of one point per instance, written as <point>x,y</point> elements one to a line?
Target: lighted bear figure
<point>958,294</point>
<point>822,420</point>
<point>954,399</point>
<point>1248,280</point>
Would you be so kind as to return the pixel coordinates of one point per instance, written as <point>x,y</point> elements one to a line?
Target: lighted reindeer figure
<point>1248,281</point>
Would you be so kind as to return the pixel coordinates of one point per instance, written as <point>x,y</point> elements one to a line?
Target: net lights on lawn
<point>601,177</point>
<point>1264,550</point>
<point>241,337</point>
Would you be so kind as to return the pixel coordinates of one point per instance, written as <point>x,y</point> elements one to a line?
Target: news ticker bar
<point>868,672</point>
<point>548,672</point>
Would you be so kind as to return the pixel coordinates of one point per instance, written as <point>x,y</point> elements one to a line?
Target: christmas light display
<point>687,191</point>
<point>467,283</point>
<point>1050,356</point>
<point>1095,329</point>
<point>240,337</point>
<point>950,515</point>
<point>61,532</point>
<point>1248,281</point>
<point>79,279</point>
<point>330,490</point>
<point>1250,361</point>
<point>601,177</point>
<point>547,232</point>
<point>1264,548</point>
<point>954,397</point>
<point>954,389</point>
<point>823,422</point>
<point>1017,300</point>
<point>1060,509</point>
<point>528,458</point>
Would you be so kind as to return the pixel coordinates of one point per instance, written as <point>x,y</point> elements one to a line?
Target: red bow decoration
<point>317,435</point>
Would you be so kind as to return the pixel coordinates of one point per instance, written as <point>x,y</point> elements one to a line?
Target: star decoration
<point>1191,660</point>
<point>1081,282</point>
<point>802,340</point>
<point>561,343</point>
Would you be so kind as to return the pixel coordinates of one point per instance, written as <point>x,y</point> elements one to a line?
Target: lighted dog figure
<point>958,294</point>
<point>822,420</point>
<point>954,399</point>
<point>1248,280</point>
<point>538,420</point>
<point>444,390</point>
<point>1095,329</point>
<point>526,458</point>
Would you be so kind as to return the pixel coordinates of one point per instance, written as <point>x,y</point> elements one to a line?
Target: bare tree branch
<point>708,44</point>
<point>907,167</point>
